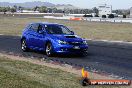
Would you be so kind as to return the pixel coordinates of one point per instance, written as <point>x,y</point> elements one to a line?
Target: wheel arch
<point>23,38</point>
<point>48,41</point>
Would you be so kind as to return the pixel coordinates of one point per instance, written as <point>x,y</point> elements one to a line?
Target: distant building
<point>27,11</point>
<point>105,9</point>
<point>131,12</point>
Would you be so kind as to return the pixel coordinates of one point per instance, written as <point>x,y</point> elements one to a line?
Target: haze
<point>117,4</point>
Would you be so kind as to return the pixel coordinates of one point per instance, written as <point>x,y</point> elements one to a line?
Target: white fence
<point>92,19</point>
<point>125,20</point>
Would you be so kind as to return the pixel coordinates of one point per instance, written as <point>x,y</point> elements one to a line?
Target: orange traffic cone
<point>85,80</point>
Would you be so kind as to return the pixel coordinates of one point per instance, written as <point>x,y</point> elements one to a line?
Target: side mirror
<point>72,32</point>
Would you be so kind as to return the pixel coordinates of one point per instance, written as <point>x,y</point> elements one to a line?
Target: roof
<point>46,23</point>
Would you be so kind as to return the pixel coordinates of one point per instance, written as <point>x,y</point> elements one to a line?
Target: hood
<point>67,37</point>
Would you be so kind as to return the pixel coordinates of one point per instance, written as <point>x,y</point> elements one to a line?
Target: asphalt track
<point>108,58</point>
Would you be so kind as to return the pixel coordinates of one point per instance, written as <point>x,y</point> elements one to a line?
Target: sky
<point>116,4</point>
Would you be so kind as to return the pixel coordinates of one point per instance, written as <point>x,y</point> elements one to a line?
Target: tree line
<point>44,9</point>
<point>7,9</point>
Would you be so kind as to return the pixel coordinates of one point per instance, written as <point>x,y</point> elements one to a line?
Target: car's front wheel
<point>49,49</point>
<point>24,45</point>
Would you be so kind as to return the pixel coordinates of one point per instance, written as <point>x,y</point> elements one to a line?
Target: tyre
<point>24,45</point>
<point>49,49</point>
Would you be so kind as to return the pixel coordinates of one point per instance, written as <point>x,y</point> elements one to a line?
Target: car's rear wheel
<point>49,49</point>
<point>24,45</point>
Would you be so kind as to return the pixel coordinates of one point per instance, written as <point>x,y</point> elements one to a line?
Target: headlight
<point>84,42</point>
<point>62,42</point>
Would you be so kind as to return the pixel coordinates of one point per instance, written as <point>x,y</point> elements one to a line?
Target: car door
<point>37,38</point>
<point>31,35</point>
<point>40,37</point>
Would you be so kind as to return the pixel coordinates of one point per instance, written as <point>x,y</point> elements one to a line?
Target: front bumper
<point>71,49</point>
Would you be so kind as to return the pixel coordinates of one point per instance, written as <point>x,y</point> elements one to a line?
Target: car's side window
<point>28,26</point>
<point>40,27</point>
<point>35,27</point>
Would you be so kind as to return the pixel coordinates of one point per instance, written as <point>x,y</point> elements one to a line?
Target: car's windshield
<point>57,29</point>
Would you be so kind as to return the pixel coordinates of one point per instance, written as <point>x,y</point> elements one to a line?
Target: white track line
<point>108,41</point>
<point>1,34</point>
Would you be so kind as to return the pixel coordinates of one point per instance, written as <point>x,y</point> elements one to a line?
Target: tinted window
<point>28,26</point>
<point>57,29</point>
<point>35,27</point>
<point>40,27</point>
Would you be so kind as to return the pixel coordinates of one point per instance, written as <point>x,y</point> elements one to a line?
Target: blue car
<point>52,38</point>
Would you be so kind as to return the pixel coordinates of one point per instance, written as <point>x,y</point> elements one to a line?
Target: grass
<point>92,30</point>
<point>21,74</point>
